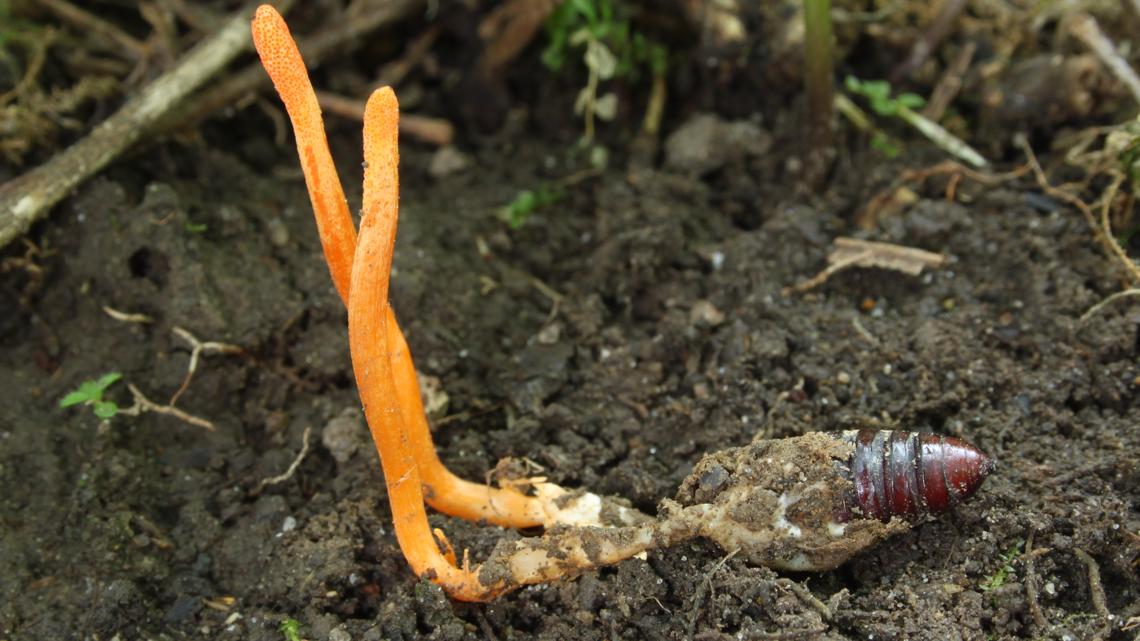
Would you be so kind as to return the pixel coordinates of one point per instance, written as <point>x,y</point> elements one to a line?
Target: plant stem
<point>817,83</point>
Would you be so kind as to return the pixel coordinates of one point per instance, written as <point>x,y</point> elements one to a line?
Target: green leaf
<point>105,409</point>
<point>90,391</point>
<point>877,89</point>
<point>884,145</point>
<point>290,629</point>
<point>600,59</point>
<point>911,100</point>
<point>76,397</point>
<point>107,380</point>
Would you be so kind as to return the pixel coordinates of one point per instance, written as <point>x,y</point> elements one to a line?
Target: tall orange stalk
<point>282,61</point>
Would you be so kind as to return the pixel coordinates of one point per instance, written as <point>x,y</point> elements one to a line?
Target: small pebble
<point>447,161</point>
<point>705,314</point>
<point>843,378</point>
<point>278,232</point>
<point>550,334</point>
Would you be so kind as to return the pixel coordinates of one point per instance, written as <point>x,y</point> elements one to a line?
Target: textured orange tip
<point>283,63</point>
<point>381,198</point>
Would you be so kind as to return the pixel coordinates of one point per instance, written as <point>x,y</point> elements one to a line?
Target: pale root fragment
<point>853,252</point>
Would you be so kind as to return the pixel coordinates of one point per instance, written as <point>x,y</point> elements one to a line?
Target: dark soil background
<point>613,339</point>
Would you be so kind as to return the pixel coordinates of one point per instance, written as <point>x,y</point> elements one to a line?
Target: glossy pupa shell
<point>910,474</point>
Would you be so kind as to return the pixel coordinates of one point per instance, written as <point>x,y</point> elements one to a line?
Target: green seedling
<point>610,47</point>
<point>527,201</point>
<point>902,106</point>
<point>290,629</point>
<point>878,93</point>
<point>999,577</point>
<point>91,393</point>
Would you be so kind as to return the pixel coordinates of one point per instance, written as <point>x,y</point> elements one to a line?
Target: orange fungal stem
<point>445,491</point>
<point>283,63</point>
<point>368,321</point>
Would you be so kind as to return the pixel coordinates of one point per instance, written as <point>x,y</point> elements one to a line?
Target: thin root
<point>1031,584</point>
<point>197,349</point>
<point>288,474</point>
<point>144,404</point>
<point>1128,293</point>
<point>1096,587</point>
<point>1103,235</point>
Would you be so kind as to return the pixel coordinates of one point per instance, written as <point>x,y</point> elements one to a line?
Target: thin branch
<point>30,196</point>
<point>1088,31</point>
<point>88,22</point>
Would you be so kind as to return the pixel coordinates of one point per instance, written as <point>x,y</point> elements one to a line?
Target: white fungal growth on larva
<point>779,518</point>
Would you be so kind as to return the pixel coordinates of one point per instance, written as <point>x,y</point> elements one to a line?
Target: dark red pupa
<point>912,474</point>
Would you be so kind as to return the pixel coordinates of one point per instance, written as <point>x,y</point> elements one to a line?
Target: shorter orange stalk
<point>368,336</point>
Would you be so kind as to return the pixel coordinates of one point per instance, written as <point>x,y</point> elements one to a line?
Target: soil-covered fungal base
<point>669,339</point>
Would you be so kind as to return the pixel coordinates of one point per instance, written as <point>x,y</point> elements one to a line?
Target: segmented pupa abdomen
<point>912,474</point>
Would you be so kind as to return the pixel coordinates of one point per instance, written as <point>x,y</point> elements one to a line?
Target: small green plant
<point>91,393</point>
<point>611,48</point>
<point>999,577</point>
<point>878,94</point>
<point>527,201</point>
<point>290,629</point>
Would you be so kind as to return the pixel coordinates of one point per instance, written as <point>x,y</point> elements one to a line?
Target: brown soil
<point>151,528</point>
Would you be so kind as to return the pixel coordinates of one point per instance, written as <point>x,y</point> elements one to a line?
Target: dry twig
<point>30,196</point>
<point>950,84</point>
<point>87,22</point>
<point>868,217</point>
<point>932,37</point>
<point>1128,293</point>
<point>362,17</point>
<point>852,252</point>
<point>435,131</point>
<point>1088,31</point>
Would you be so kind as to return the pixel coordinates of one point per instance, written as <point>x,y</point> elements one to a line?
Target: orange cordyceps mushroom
<point>384,370</point>
<point>282,61</point>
